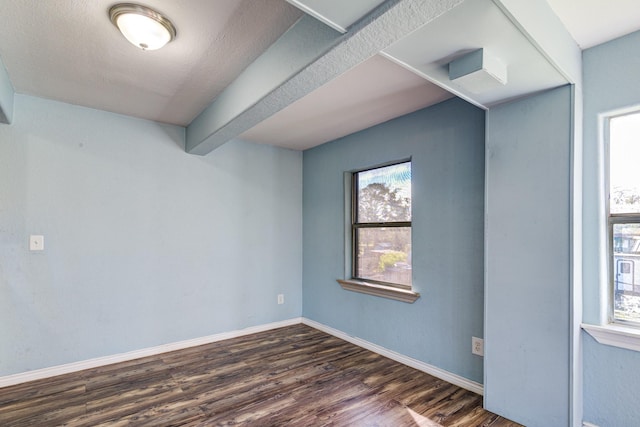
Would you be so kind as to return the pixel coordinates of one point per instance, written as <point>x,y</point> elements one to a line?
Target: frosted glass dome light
<point>143,27</point>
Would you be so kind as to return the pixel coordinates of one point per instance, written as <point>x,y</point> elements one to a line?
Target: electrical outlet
<point>280,298</point>
<point>477,346</point>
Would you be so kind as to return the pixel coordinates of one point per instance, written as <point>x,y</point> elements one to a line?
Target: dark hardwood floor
<point>293,376</point>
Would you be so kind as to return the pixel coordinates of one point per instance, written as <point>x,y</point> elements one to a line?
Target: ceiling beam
<point>544,29</point>
<point>6,96</point>
<point>309,55</point>
<point>302,44</point>
<point>338,14</point>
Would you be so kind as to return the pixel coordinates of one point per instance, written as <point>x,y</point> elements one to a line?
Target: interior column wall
<point>527,256</point>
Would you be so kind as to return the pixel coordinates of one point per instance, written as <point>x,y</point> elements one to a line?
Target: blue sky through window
<point>394,176</point>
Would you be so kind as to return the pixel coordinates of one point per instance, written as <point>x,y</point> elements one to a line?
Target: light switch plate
<point>36,242</point>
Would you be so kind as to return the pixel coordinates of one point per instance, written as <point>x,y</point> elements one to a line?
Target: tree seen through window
<point>382,225</point>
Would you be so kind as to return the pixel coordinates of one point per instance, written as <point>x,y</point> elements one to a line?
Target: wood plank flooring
<point>293,376</point>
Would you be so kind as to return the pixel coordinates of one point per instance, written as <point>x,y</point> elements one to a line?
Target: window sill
<point>379,290</point>
<point>615,335</point>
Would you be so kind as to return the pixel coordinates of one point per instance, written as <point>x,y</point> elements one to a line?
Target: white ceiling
<point>593,22</point>
<point>68,50</point>
<point>373,92</point>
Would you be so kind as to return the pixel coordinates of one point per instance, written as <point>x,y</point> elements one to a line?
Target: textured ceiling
<point>68,50</point>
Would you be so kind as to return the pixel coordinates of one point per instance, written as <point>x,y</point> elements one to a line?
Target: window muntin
<point>381,225</point>
<point>624,217</point>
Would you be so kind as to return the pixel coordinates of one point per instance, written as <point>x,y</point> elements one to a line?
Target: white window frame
<point>613,219</point>
<point>611,332</point>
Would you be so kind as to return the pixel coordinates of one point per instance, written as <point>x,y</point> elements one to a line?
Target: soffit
<point>373,92</point>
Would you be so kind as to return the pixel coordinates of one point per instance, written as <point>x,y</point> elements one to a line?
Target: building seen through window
<point>624,216</point>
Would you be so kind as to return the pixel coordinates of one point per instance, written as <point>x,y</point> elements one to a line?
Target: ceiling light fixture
<point>143,27</point>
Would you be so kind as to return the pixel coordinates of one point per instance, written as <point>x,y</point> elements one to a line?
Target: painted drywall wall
<point>527,324</point>
<point>144,244</point>
<point>611,376</point>
<point>6,96</point>
<point>611,73</point>
<point>446,145</point>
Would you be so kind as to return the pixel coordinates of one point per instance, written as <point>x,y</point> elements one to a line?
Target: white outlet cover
<point>477,346</point>
<point>36,242</point>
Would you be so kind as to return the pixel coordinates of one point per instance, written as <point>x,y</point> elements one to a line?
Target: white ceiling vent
<point>478,71</point>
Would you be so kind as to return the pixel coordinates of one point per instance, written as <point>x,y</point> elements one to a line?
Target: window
<point>380,231</point>
<point>624,217</point>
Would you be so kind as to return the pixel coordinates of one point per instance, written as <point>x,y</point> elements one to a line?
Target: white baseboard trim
<point>136,354</point>
<point>586,424</point>
<point>405,360</point>
<point>68,368</point>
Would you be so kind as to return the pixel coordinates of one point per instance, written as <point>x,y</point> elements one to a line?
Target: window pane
<point>624,155</point>
<point>626,272</point>
<point>384,194</point>
<point>384,254</point>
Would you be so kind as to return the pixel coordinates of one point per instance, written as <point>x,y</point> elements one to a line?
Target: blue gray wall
<point>446,144</point>
<point>611,375</point>
<point>144,244</point>
<point>528,270</point>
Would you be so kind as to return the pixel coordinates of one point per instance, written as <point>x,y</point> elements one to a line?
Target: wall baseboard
<point>68,368</point>
<point>586,424</point>
<point>405,360</point>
